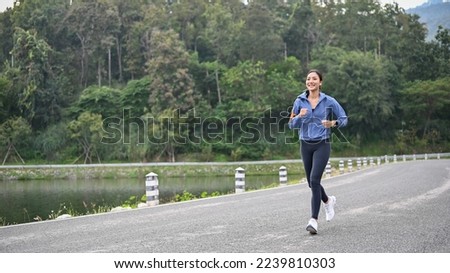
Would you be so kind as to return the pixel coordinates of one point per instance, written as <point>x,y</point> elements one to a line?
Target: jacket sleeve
<point>342,118</point>
<point>295,122</point>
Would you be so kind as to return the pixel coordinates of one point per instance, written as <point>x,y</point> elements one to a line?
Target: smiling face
<point>313,82</point>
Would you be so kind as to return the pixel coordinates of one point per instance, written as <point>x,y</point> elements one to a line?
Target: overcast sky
<point>406,4</point>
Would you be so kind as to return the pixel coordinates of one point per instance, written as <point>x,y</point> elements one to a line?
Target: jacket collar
<point>305,95</point>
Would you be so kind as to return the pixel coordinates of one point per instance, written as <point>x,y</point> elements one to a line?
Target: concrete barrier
<point>341,166</point>
<point>239,177</point>
<point>328,169</point>
<point>283,175</point>
<point>152,189</point>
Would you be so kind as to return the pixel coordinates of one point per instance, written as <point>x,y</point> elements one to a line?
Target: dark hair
<point>315,71</point>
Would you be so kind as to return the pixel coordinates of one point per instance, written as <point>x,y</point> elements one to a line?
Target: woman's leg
<point>307,156</point>
<point>320,158</point>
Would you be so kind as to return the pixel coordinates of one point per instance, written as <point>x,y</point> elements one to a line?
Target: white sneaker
<point>329,208</point>
<point>312,226</point>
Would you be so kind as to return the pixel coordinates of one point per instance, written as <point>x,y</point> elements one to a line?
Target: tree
<point>34,82</point>
<point>246,85</point>
<point>365,85</point>
<point>284,84</point>
<point>135,97</point>
<point>442,52</point>
<point>424,102</point>
<point>404,43</point>
<point>301,34</point>
<point>51,142</point>
<point>185,18</point>
<point>258,40</point>
<point>87,131</point>
<point>13,132</point>
<point>6,98</point>
<point>221,34</point>
<point>138,38</point>
<point>6,35</point>
<point>95,24</point>
<point>98,100</point>
<point>171,88</point>
<point>172,85</point>
<point>206,76</point>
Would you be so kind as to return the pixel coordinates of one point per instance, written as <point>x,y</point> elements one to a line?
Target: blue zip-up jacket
<point>311,128</point>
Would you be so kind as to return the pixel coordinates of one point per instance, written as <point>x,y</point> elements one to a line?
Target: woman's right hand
<point>303,112</point>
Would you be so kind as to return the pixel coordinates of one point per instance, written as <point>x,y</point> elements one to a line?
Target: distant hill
<point>433,13</point>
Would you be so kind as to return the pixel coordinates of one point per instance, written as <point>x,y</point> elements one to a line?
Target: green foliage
<point>133,97</point>
<point>98,100</point>
<point>132,202</point>
<point>258,40</point>
<point>424,105</point>
<point>14,131</point>
<point>185,196</point>
<point>52,141</point>
<point>362,83</point>
<point>301,33</point>
<point>240,66</point>
<point>6,98</point>
<point>172,85</point>
<point>87,130</point>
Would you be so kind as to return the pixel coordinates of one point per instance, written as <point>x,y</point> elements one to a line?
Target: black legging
<point>315,156</point>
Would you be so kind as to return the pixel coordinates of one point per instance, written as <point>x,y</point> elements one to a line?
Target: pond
<point>23,201</point>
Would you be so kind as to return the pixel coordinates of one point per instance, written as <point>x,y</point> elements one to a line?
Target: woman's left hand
<point>328,123</point>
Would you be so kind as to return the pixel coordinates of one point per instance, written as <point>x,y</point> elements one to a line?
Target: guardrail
<point>150,164</point>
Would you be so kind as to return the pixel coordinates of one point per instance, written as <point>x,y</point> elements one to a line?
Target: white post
<point>358,163</point>
<point>350,165</point>
<point>371,162</point>
<point>395,158</point>
<point>239,176</point>
<point>414,157</point>
<point>341,166</point>
<point>283,176</point>
<point>328,169</point>
<point>404,158</point>
<point>438,156</point>
<point>365,162</point>
<point>151,189</point>
<point>378,161</point>
<point>426,156</point>
<point>386,159</point>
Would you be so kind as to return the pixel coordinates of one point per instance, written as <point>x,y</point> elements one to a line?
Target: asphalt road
<point>397,207</point>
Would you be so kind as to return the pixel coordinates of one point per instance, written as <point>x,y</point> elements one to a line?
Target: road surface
<point>396,207</point>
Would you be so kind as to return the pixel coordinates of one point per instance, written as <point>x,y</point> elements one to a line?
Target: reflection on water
<point>21,201</point>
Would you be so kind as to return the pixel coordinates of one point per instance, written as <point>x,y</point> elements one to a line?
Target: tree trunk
<point>218,86</point>
<point>119,58</point>
<point>109,66</point>
<point>83,56</point>
<point>99,74</point>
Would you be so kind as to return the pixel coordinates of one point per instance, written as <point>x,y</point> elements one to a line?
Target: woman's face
<point>313,82</point>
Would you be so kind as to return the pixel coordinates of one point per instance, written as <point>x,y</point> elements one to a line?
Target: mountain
<point>432,14</point>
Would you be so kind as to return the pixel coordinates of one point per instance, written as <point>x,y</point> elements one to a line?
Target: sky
<point>406,4</point>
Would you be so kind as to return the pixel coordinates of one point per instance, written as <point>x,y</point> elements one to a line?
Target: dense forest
<point>88,81</point>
